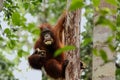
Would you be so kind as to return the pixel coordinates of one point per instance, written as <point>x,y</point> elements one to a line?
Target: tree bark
<point>72,37</point>
<point>100,35</point>
<point>1,5</point>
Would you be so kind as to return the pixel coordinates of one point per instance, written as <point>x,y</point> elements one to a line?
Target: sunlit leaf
<point>118,29</point>
<point>66,48</point>
<point>16,18</point>
<point>87,41</point>
<point>113,2</point>
<point>36,31</point>
<point>11,44</point>
<point>32,28</point>
<point>22,21</point>
<point>103,55</point>
<point>75,4</point>
<point>31,25</point>
<point>105,11</point>
<point>96,3</point>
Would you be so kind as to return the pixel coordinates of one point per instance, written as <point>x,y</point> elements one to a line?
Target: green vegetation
<point>19,32</point>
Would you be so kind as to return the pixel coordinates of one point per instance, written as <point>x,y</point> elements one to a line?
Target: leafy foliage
<point>87,43</point>
<point>96,3</point>
<point>103,55</point>
<point>6,66</point>
<point>19,33</point>
<point>76,4</point>
<point>66,48</point>
<point>113,2</point>
<point>117,37</point>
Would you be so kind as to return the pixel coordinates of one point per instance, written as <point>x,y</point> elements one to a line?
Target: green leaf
<point>13,42</point>
<point>26,5</point>
<point>112,48</point>
<point>1,39</point>
<point>66,48</point>
<point>7,31</point>
<point>118,21</point>
<point>113,2</point>
<point>40,0</point>
<point>110,39</point>
<point>118,71</point>
<point>31,28</point>
<point>10,45</point>
<point>87,41</point>
<point>23,20</point>
<point>36,31</point>
<point>103,55</point>
<point>105,11</point>
<point>96,3</point>
<point>16,18</point>
<point>20,53</point>
<point>95,52</point>
<point>31,25</point>
<point>75,4</point>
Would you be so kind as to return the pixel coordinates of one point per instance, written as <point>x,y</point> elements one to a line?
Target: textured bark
<point>72,37</point>
<point>100,35</point>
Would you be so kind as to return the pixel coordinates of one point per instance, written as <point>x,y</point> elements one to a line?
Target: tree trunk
<point>100,35</point>
<point>72,37</point>
<point>1,5</point>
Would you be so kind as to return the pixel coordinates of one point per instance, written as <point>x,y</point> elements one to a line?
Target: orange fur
<point>54,66</point>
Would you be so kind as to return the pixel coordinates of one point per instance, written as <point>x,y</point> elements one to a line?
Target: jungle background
<point>19,20</point>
